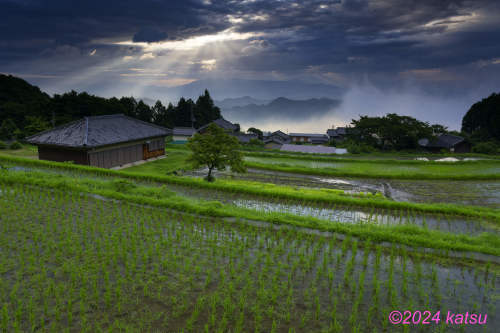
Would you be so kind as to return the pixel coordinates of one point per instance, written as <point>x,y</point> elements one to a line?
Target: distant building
<point>246,137</point>
<point>448,142</point>
<point>222,123</point>
<point>279,135</point>
<point>182,134</point>
<point>338,134</point>
<point>231,129</point>
<point>273,143</point>
<point>309,138</point>
<point>276,139</point>
<point>102,141</point>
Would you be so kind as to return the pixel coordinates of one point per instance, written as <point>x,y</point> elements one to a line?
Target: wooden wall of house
<point>61,154</point>
<point>108,157</point>
<point>116,156</point>
<point>153,148</point>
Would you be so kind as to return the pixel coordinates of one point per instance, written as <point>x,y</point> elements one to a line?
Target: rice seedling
<point>94,264</point>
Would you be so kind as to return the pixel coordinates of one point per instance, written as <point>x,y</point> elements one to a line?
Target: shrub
<point>358,148</point>
<point>3,145</point>
<point>485,148</point>
<point>256,142</point>
<point>15,145</point>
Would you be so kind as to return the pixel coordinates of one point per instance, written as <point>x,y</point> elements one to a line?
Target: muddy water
<point>478,193</point>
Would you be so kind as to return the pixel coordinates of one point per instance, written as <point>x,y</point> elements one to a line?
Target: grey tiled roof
<point>311,135</point>
<point>443,141</point>
<point>336,132</point>
<point>275,139</point>
<point>221,122</point>
<point>99,131</point>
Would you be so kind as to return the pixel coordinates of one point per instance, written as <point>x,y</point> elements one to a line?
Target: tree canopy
<point>215,149</point>
<point>256,131</point>
<point>482,121</point>
<point>392,131</point>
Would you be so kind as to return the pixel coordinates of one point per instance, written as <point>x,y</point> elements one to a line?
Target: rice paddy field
<point>476,169</point>
<point>145,250</point>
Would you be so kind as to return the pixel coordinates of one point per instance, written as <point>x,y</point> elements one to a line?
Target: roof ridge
<point>86,134</point>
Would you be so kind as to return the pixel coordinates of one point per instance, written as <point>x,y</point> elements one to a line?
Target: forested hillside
<point>25,109</point>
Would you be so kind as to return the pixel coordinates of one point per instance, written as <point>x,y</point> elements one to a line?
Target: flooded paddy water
<point>461,192</point>
<point>328,212</point>
<point>348,215</point>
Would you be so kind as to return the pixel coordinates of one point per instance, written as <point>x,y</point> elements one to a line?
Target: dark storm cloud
<point>348,40</point>
<point>47,24</point>
<point>149,35</point>
<point>322,31</point>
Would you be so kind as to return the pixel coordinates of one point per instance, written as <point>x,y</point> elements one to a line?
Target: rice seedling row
<point>411,235</point>
<point>346,214</point>
<point>267,190</point>
<point>74,263</point>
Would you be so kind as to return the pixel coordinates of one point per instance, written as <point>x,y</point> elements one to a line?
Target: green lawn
<point>176,159</point>
<point>29,151</point>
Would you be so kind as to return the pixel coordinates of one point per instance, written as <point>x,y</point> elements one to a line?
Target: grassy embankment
<point>409,235</point>
<point>389,155</point>
<point>390,169</point>
<point>265,190</point>
<point>383,159</point>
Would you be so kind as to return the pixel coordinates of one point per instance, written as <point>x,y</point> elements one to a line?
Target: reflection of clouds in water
<point>333,181</point>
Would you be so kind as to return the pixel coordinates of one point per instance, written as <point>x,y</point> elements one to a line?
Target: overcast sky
<point>427,58</point>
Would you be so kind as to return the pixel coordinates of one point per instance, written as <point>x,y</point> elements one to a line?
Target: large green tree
<point>482,121</point>
<point>215,149</point>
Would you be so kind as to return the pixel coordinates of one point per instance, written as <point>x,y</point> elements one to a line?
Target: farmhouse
<point>309,138</point>
<point>102,141</point>
<point>276,139</point>
<point>231,129</point>
<point>337,134</point>
<point>449,142</point>
<point>182,134</point>
<point>222,123</point>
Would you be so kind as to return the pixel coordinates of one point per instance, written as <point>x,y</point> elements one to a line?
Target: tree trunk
<point>210,178</point>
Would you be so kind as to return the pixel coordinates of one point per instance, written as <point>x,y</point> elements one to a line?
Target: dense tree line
<point>26,110</point>
<point>482,121</point>
<point>391,132</point>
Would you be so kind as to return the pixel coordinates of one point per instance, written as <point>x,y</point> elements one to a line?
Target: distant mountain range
<point>262,90</point>
<point>281,107</point>
<point>229,103</point>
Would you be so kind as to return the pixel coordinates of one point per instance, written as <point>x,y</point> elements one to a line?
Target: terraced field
<point>140,250</point>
